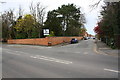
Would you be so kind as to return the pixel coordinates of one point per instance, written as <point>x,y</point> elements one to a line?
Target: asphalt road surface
<point>69,61</point>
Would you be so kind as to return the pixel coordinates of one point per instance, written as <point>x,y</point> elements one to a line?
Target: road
<point>69,61</point>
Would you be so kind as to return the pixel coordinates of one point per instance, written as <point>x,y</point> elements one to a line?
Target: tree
<point>83,31</point>
<point>65,19</point>
<point>71,18</point>
<point>38,12</point>
<point>7,24</point>
<point>33,10</point>
<point>28,26</point>
<point>20,11</point>
<point>25,25</point>
<point>95,5</point>
<point>51,34</point>
<point>53,23</point>
<point>109,23</point>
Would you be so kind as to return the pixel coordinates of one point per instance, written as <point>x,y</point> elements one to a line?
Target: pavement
<point>68,61</point>
<point>102,48</point>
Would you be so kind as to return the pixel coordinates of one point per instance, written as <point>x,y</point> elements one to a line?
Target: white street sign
<point>46,31</point>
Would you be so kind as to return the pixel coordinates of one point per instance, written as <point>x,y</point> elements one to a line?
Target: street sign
<point>46,31</point>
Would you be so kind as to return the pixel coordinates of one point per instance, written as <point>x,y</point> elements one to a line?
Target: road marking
<point>51,59</point>
<point>105,54</point>
<point>16,51</point>
<point>104,48</point>
<point>77,52</point>
<point>6,49</point>
<point>111,70</point>
<point>85,53</point>
<point>10,45</point>
<point>48,47</point>
<point>33,57</point>
<point>39,47</point>
<point>39,57</point>
<point>12,53</point>
<point>97,51</point>
<point>21,52</point>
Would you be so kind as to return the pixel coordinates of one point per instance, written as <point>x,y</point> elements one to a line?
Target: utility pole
<point>0,43</point>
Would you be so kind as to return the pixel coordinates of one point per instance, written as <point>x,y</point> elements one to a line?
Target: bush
<point>51,34</point>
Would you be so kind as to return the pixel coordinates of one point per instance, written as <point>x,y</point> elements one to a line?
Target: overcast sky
<point>91,16</point>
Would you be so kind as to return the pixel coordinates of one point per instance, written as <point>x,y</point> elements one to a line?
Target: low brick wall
<point>37,41</point>
<point>58,40</point>
<point>43,41</point>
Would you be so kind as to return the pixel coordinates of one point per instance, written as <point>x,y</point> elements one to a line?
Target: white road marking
<point>111,70</point>
<point>105,54</point>
<point>39,47</point>
<point>85,53</point>
<point>104,48</point>
<point>39,57</point>
<point>12,53</point>
<point>21,52</point>
<point>6,49</point>
<point>77,52</point>
<point>16,51</point>
<point>51,59</point>
<point>33,57</point>
<point>49,47</point>
<point>10,45</point>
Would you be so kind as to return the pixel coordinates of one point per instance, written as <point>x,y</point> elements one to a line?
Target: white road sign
<point>46,31</point>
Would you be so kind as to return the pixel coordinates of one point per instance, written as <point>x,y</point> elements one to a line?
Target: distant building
<point>90,35</point>
<point>86,34</point>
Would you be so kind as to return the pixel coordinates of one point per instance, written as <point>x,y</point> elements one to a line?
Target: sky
<point>91,15</point>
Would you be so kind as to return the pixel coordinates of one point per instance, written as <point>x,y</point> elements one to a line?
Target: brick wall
<point>58,40</point>
<point>37,41</point>
<point>43,41</point>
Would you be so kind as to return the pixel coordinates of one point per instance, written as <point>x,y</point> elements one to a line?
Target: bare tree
<point>95,5</point>
<point>32,10</point>
<point>82,19</point>
<point>20,11</point>
<point>38,12</point>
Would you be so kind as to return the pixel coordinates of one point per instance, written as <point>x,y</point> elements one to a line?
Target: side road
<point>102,48</point>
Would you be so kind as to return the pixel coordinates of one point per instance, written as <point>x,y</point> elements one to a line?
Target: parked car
<point>85,38</point>
<point>88,37</point>
<point>74,40</point>
<point>93,37</point>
